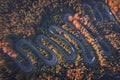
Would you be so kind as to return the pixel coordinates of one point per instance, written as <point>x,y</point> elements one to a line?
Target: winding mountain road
<point>54,59</point>
<point>84,53</point>
<point>24,68</point>
<point>107,50</point>
<point>89,11</point>
<point>71,56</point>
<point>104,45</point>
<point>106,13</point>
<point>82,43</point>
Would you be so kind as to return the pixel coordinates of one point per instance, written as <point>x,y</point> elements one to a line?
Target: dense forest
<point>25,19</point>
